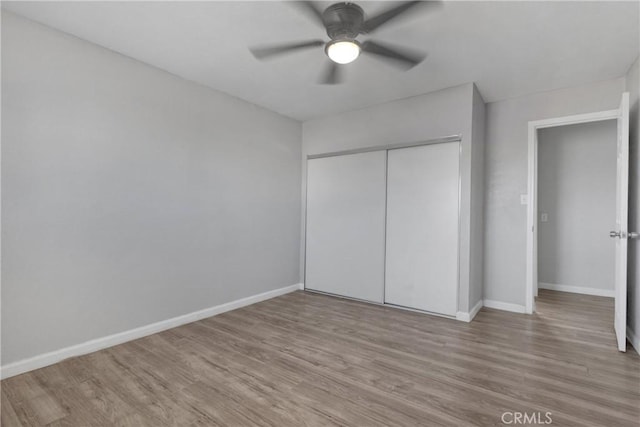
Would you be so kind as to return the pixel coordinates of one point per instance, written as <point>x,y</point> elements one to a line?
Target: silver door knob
<point>632,235</point>
<point>614,234</point>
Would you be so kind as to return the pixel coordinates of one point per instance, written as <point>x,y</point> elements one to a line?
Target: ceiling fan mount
<point>343,23</point>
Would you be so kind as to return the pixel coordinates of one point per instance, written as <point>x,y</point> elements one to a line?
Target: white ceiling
<point>507,48</point>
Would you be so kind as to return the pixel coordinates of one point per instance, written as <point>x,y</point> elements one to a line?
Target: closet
<point>422,228</point>
<point>383,226</point>
<point>345,225</point>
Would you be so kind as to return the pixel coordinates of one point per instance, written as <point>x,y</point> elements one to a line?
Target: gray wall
<point>437,114</point>
<point>577,191</point>
<point>477,199</point>
<point>131,196</point>
<point>506,177</point>
<point>633,298</point>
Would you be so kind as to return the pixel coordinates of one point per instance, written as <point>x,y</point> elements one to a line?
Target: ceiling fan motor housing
<point>343,21</point>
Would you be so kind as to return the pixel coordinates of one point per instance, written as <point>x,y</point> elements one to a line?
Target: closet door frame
<point>386,148</point>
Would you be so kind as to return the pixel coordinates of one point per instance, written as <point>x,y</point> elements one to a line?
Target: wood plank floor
<point>309,359</point>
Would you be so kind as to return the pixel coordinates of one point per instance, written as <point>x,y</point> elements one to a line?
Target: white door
<point>621,232</point>
<point>422,228</point>
<point>345,225</point>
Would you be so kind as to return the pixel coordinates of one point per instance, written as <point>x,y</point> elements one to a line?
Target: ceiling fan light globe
<point>343,52</point>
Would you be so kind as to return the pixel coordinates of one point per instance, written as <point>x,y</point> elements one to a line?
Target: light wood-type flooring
<point>309,359</point>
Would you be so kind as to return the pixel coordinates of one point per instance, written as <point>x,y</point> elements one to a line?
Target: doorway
<point>577,208</point>
<point>620,233</point>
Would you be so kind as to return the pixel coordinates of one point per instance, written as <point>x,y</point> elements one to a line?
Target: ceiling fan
<point>344,22</point>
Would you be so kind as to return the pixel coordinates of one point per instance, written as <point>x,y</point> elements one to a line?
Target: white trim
<point>576,119</point>
<point>577,289</point>
<point>532,217</point>
<point>506,306</point>
<point>56,356</point>
<point>532,258</point>
<point>468,317</point>
<point>633,339</point>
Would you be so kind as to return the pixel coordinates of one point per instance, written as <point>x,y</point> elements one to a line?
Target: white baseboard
<point>56,356</point>
<point>578,289</point>
<point>506,306</point>
<point>633,339</point>
<point>468,317</point>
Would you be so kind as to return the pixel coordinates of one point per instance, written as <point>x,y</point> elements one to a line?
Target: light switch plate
<point>524,199</point>
<point>544,217</point>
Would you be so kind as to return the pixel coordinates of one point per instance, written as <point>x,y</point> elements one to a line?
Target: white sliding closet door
<point>422,228</point>
<point>345,225</point>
